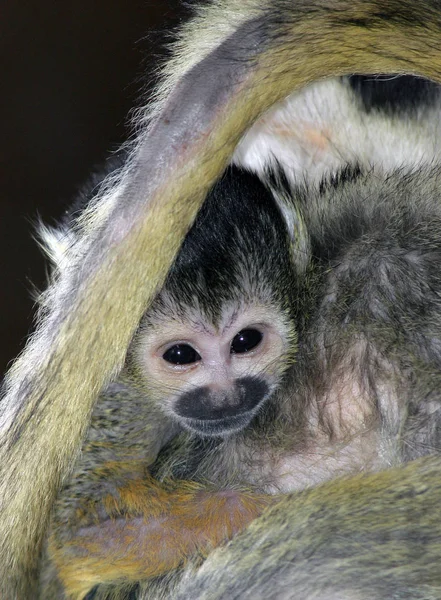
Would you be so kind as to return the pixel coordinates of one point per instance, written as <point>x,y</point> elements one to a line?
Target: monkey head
<point>221,333</point>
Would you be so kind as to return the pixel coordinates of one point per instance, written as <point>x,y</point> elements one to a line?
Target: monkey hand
<point>150,530</point>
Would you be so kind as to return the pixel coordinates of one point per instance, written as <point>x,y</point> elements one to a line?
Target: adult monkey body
<point>126,250</point>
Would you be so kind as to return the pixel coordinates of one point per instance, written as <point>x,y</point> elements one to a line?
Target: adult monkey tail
<point>232,62</point>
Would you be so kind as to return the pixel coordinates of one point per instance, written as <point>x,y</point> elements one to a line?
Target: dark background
<point>70,73</point>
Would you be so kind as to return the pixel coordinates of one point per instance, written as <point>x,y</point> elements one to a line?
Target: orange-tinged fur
<point>150,530</point>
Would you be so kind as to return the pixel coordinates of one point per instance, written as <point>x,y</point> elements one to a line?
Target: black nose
<point>215,413</point>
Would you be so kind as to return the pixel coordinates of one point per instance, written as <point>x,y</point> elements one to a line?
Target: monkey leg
<point>150,530</point>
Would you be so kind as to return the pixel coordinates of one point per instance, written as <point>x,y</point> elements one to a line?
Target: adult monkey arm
<point>206,103</point>
<point>335,542</point>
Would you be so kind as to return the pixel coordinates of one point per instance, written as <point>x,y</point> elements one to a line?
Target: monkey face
<point>214,378</point>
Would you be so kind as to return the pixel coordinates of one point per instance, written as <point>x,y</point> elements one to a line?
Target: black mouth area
<point>209,412</point>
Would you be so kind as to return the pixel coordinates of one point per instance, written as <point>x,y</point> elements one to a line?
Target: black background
<point>70,74</point>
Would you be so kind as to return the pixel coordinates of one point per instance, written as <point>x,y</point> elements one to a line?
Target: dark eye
<point>181,354</point>
<point>245,340</point>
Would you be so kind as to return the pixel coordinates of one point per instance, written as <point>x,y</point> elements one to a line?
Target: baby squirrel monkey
<point>211,351</point>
